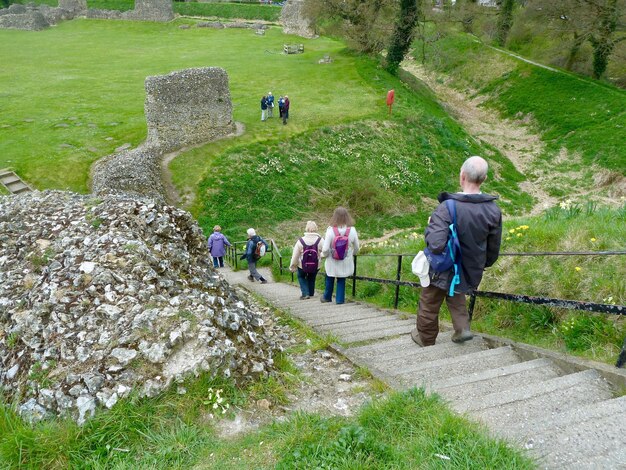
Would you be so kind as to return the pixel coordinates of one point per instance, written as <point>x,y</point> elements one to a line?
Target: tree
<point>364,23</point>
<point>505,21</point>
<point>602,23</point>
<point>403,34</point>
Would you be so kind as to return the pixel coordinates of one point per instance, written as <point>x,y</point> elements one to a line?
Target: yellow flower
<point>519,234</point>
<point>592,240</point>
<point>512,230</point>
<point>525,227</point>
<point>507,238</point>
<point>578,268</point>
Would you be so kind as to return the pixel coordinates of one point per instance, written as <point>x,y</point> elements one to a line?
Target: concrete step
<point>479,384</point>
<point>425,373</point>
<point>415,353</point>
<point>10,178</point>
<point>382,322</point>
<point>612,460</point>
<point>383,347</point>
<point>584,445</point>
<point>21,190</point>
<point>512,413</point>
<point>581,414</point>
<point>358,315</point>
<point>372,334</point>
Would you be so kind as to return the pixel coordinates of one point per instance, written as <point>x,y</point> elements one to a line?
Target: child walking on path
<point>217,243</point>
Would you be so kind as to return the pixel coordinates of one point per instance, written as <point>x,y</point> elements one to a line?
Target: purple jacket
<point>216,244</point>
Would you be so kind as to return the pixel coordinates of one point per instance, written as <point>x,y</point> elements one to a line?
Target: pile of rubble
<point>100,297</point>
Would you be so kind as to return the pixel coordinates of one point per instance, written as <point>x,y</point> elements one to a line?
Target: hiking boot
<point>263,281</point>
<point>323,300</point>
<point>251,278</point>
<point>415,336</point>
<point>462,336</point>
<point>304,297</point>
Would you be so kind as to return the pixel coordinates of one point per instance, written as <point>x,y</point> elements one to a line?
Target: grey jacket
<point>479,223</point>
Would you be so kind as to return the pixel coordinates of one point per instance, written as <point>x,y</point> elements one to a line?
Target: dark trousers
<point>218,261</point>
<point>307,282</point>
<point>431,299</point>
<point>340,297</point>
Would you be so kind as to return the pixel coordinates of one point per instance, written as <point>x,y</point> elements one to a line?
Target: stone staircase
<point>12,182</point>
<point>565,412</point>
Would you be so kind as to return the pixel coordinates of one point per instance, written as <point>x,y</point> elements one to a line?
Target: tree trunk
<point>602,39</point>
<point>403,34</point>
<point>505,21</point>
<point>573,52</point>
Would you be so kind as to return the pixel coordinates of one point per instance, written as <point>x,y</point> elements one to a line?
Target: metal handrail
<point>546,301</point>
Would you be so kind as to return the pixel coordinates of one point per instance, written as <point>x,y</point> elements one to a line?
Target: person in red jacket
<point>479,229</point>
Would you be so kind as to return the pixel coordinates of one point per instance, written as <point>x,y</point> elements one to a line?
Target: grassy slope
<point>580,114</point>
<point>386,170</point>
<point>94,71</point>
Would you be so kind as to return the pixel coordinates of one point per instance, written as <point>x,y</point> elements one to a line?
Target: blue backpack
<point>451,256</point>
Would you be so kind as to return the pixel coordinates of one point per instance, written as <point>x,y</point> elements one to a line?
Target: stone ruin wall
<point>182,108</point>
<point>188,107</point>
<point>294,21</point>
<point>38,17</point>
<point>145,10</point>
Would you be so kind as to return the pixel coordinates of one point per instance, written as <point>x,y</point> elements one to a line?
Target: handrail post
<point>236,257</point>
<point>354,279</point>
<point>470,310</point>
<point>621,359</point>
<point>398,273</point>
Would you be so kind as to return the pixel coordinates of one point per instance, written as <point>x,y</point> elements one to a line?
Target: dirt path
<point>513,139</point>
<point>173,196</point>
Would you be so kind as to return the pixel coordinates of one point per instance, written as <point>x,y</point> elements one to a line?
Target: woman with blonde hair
<point>305,259</point>
<point>341,243</point>
<point>217,241</point>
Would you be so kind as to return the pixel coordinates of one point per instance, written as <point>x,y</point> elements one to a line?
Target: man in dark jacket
<point>479,225</point>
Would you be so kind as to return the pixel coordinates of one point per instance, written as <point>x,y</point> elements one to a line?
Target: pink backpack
<point>340,244</point>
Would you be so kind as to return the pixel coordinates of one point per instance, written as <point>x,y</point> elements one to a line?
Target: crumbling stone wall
<point>152,10</point>
<point>38,17</point>
<point>30,20</point>
<point>136,171</point>
<point>188,107</point>
<point>294,21</point>
<point>76,7</point>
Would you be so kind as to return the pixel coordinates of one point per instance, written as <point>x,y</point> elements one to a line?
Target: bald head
<point>475,170</point>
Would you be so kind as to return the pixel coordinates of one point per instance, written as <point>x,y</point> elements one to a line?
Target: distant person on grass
<point>479,229</point>
<point>341,243</point>
<point>252,255</point>
<point>305,259</point>
<point>286,109</point>
<point>217,243</point>
<point>264,108</point>
<point>270,105</point>
<point>281,106</point>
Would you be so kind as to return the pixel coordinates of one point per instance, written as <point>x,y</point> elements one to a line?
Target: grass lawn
<point>75,92</point>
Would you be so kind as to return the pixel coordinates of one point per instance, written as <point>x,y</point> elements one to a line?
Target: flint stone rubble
<point>294,20</point>
<point>100,297</point>
<point>136,171</point>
